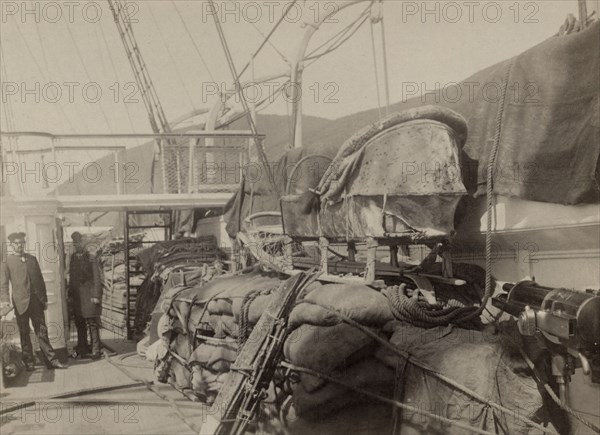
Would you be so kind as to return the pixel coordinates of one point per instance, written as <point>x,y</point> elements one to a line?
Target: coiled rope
<point>423,314</point>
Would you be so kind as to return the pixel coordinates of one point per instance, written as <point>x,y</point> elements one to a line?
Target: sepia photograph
<point>300,217</point>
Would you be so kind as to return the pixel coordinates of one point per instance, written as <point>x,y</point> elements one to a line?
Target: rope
<point>112,64</point>
<point>423,366</point>
<point>87,73</point>
<point>234,74</point>
<point>555,398</point>
<point>385,65</point>
<point>162,38</point>
<point>423,314</point>
<point>60,107</point>
<point>245,325</point>
<point>198,52</point>
<point>395,403</point>
<point>376,70</point>
<point>150,386</point>
<point>270,43</point>
<point>489,290</point>
<point>27,402</point>
<point>268,37</point>
<point>245,311</point>
<point>338,36</point>
<point>358,23</point>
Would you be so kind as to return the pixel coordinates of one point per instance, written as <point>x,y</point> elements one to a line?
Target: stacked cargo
<point>114,283</point>
<point>168,263</point>
<point>340,341</point>
<point>204,326</point>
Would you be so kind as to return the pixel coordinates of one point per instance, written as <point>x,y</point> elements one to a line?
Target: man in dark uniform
<point>29,298</point>
<point>80,271</point>
<point>85,292</point>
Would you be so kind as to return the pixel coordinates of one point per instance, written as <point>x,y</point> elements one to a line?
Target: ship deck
<point>111,395</point>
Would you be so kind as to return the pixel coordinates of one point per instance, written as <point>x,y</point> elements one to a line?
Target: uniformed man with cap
<point>85,292</point>
<point>29,299</point>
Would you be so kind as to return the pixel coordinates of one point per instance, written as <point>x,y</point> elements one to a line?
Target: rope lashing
<point>430,370</point>
<point>423,314</point>
<point>489,290</point>
<point>395,403</point>
<point>245,325</point>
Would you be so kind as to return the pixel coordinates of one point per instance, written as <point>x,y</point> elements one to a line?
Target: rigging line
<point>338,35</point>
<point>99,47</point>
<point>41,71</point>
<point>376,69</point>
<point>138,68</point>
<point>259,148</point>
<point>194,43</point>
<point>343,31</point>
<point>87,73</point>
<point>37,31</point>
<point>9,107</point>
<point>270,43</point>
<point>338,43</point>
<point>268,37</point>
<point>41,41</point>
<point>259,106</point>
<point>9,118</point>
<point>188,93</point>
<point>112,64</point>
<point>385,64</point>
<point>8,113</point>
<point>335,47</point>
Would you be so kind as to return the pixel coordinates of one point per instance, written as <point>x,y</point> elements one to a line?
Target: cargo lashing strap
<point>430,370</point>
<point>395,403</point>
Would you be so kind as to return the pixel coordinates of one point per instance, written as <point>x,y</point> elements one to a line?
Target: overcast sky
<point>72,46</point>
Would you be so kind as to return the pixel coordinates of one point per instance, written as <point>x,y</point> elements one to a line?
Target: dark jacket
<point>26,279</point>
<point>85,283</point>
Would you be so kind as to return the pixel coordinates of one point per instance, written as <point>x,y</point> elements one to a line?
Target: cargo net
<point>217,165</point>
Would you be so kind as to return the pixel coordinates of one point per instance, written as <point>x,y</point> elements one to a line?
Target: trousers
<point>84,325</point>
<point>35,314</point>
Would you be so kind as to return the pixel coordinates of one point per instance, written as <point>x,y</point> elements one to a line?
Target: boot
<point>95,338</point>
<point>83,348</point>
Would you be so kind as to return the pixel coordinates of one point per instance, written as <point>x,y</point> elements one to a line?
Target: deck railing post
<point>191,164</point>
<point>117,172</point>
<point>55,161</point>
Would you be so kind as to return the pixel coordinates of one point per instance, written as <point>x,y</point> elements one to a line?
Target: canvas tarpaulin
<point>548,149</point>
<point>484,362</point>
<point>550,133</point>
